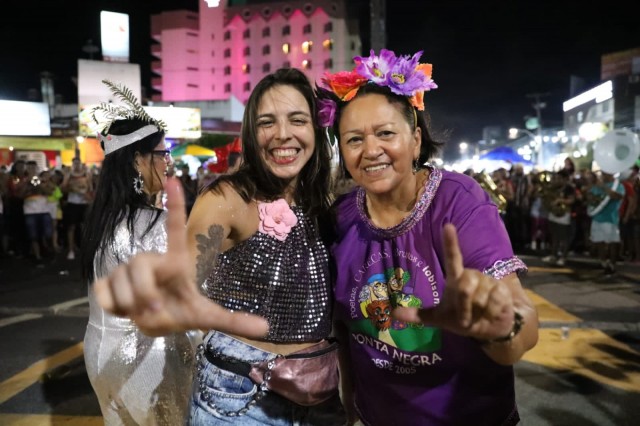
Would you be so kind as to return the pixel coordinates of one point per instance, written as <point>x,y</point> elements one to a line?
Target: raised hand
<point>158,291</point>
<point>473,304</point>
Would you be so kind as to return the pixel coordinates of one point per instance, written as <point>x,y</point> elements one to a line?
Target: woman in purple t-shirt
<point>429,242</point>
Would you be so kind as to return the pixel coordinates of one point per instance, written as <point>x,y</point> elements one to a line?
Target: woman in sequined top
<point>255,242</point>
<point>427,290</point>
<point>138,380</point>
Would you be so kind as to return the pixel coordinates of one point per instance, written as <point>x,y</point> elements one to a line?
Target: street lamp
<point>513,133</point>
<point>79,140</point>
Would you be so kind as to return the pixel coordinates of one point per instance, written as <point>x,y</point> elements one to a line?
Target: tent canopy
<point>192,149</point>
<point>505,153</point>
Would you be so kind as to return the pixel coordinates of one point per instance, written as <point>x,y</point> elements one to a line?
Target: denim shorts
<point>39,225</point>
<point>217,392</point>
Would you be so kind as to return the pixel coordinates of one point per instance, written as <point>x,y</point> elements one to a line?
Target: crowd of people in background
<point>546,213</point>
<point>567,212</point>
<point>42,211</point>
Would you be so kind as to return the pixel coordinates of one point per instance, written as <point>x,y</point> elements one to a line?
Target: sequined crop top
<point>287,282</point>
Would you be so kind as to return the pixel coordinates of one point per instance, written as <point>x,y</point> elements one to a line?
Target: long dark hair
<point>115,197</point>
<point>254,180</point>
<point>428,148</point>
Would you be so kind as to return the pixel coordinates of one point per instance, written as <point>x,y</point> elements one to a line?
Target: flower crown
<point>403,75</point>
<point>132,109</point>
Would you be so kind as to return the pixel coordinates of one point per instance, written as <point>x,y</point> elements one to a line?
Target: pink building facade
<point>224,50</point>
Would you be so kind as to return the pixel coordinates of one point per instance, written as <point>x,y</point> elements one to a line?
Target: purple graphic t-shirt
<point>407,374</point>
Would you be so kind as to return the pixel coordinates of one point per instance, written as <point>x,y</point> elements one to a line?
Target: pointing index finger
<point>176,217</point>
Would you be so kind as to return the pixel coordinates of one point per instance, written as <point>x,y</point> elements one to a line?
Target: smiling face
<point>377,143</point>
<point>285,131</point>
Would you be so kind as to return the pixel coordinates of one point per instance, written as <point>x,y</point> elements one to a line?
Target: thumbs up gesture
<point>473,304</point>
<point>158,291</point>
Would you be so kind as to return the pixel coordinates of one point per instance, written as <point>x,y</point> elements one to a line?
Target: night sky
<point>487,55</point>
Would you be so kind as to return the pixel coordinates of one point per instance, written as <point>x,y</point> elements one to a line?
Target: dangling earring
<point>415,166</point>
<point>138,183</point>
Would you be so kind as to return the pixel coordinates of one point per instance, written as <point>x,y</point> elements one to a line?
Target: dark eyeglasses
<point>163,152</point>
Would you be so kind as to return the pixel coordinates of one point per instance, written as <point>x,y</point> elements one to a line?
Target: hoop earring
<point>138,183</point>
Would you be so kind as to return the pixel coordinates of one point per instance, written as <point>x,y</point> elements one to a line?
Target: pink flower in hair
<point>326,112</point>
<point>276,219</point>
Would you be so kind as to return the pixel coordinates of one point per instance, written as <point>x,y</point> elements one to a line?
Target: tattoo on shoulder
<point>208,249</point>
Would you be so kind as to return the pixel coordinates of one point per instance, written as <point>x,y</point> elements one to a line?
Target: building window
<point>286,47</point>
<point>192,68</point>
<point>247,51</point>
<point>227,70</point>
<point>246,33</point>
<point>193,86</point>
<point>213,53</point>
<point>306,29</point>
<point>286,64</point>
<point>227,87</point>
<point>306,64</point>
<point>227,53</point>
<point>286,30</point>
<point>328,64</point>
<point>306,46</point>
<point>246,68</point>
<point>246,87</point>
<point>213,36</point>
<point>266,32</point>
<point>327,44</point>
<point>266,67</point>
<point>266,49</point>
<point>227,35</point>
<point>213,70</point>
<point>328,27</point>
<point>192,51</point>
<point>213,87</point>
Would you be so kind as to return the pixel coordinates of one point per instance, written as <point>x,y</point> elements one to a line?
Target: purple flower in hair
<point>326,112</point>
<point>405,79</point>
<point>376,68</point>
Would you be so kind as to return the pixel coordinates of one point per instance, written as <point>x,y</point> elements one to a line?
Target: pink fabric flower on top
<point>276,219</point>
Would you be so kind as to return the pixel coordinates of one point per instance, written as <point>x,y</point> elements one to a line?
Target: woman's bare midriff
<point>276,348</point>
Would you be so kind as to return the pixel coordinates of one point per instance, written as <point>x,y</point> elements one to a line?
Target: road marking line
<point>48,420</point>
<point>590,353</point>
<point>20,318</point>
<point>547,311</point>
<point>19,382</point>
<point>68,304</point>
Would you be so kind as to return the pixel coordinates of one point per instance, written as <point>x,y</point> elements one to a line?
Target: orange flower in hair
<point>417,101</point>
<point>344,84</point>
<point>426,69</point>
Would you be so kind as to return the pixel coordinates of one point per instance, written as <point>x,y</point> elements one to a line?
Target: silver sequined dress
<point>139,380</point>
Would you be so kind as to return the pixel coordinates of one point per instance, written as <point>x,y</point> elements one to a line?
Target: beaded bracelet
<point>518,322</point>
